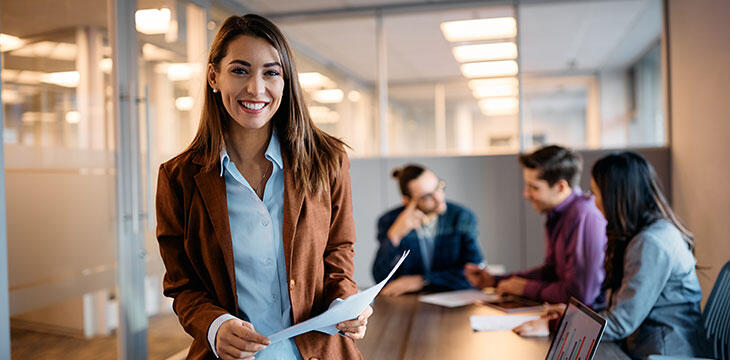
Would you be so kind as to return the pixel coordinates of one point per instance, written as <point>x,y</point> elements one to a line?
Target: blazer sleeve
<point>339,252</point>
<point>193,304</point>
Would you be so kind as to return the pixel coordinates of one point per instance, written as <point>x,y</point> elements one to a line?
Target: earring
<point>215,90</point>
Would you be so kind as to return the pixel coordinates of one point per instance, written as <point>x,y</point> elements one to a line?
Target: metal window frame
<point>132,331</point>
<point>4,290</point>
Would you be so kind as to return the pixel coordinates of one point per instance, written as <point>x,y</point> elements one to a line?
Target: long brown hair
<point>632,200</point>
<point>313,154</point>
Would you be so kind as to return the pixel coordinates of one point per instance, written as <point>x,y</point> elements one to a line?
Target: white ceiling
<point>556,37</point>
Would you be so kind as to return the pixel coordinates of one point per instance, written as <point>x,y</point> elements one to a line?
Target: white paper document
<point>458,298</point>
<point>499,322</point>
<point>344,310</point>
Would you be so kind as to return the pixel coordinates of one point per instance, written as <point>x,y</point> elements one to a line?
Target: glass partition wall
<point>474,80</point>
<point>60,170</point>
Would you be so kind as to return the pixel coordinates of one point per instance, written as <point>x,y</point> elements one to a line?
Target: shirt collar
<point>273,153</point>
<point>577,192</point>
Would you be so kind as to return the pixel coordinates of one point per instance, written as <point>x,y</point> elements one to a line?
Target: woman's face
<point>597,196</point>
<point>250,81</point>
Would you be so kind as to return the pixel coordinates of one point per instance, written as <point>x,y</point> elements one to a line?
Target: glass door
<point>60,175</point>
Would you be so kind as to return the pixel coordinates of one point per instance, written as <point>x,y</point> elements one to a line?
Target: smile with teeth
<point>253,106</point>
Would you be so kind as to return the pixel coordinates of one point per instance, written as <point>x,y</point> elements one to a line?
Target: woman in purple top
<point>574,231</point>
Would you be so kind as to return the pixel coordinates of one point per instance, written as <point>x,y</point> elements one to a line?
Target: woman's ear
<point>211,75</point>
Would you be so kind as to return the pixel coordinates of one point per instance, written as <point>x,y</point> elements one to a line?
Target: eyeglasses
<point>440,187</point>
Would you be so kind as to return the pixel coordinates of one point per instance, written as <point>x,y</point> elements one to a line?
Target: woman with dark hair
<point>254,219</point>
<point>652,289</point>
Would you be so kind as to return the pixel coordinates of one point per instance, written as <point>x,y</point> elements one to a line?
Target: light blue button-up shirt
<point>258,254</point>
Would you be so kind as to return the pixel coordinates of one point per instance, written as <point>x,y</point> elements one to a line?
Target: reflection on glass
<point>592,74</point>
<point>59,171</point>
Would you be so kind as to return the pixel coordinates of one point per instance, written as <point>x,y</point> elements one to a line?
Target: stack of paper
<point>499,322</point>
<point>458,298</point>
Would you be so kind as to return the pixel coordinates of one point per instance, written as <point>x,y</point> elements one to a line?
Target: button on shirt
<point>258,254</point>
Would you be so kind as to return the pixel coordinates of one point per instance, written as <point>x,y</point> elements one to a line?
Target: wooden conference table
<point>403,328</point>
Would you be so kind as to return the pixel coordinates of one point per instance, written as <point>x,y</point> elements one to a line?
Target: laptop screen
<point>578,335</point>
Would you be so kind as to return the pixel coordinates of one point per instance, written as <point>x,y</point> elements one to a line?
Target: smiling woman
<point>243,259</point>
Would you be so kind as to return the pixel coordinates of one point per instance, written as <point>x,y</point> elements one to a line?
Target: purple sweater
<point>575,246</point>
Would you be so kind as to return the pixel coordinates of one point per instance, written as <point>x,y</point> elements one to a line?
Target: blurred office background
<point>96,94</point>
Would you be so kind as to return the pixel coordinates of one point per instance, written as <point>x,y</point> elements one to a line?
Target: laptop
<point>578,334</point>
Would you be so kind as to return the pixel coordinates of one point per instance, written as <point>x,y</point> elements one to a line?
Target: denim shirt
<point>656,310</point>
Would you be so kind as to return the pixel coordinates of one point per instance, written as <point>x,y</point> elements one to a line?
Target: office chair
<point>715,318</point>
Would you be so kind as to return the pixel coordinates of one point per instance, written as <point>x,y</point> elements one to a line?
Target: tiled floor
<point>165,338</point>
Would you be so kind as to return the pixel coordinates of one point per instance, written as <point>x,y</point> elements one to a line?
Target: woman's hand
<point>237,339</point>
<point>554,311</point>
<point>540,327</point>
<point>537,327</point>
<point>355,329</point>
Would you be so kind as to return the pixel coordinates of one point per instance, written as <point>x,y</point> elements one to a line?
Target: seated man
<point>575,233</point>
<point>442,237</point>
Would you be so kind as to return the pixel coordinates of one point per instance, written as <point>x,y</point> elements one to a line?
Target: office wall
<point>699,63</point>
<point>510,231</point>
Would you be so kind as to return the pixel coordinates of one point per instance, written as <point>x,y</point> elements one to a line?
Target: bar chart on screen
<point>578,335</point>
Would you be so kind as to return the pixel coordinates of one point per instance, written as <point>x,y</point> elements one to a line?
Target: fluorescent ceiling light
<point>480,29</point>
<point>314,80</point>
<point>499,106</point>
<point>184,103</point>
<point>154,53</point>
<point>353,95</point>
<point>22,77</point>
<point>73,117</point>
<point>498,87</point>
<point>29,77</point>
<point>105,65</point>
<point>64,51</point>
<point>484,52</point>
<point>10,42</point>
<point>179,72</point>
<point>32,116</point>
<point>11,97</point>
<point>329,96</point>
<point>323,115</point>
<point>490,69</point>
<point>152,21</point>
<point>65,78</point>
<point>48,49</point>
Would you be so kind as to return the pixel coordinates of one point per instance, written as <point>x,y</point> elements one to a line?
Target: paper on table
<point>347,309</point>
<point>458,298</point>
<point>499,322</point>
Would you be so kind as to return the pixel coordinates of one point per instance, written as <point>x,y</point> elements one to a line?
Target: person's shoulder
<point>585,205</point>
<point>660,233</point>
<point>185,164</point>
<point>660,239</point>
<point>458,209</point>
<point>460,214</point>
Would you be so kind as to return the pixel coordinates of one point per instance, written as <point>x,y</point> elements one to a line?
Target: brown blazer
<point>196,248</point>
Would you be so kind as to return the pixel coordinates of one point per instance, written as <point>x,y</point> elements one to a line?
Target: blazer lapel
<point>212,189</point>
<point>293,201</point>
